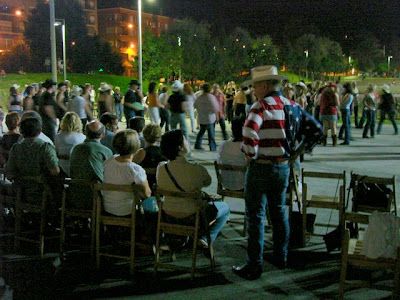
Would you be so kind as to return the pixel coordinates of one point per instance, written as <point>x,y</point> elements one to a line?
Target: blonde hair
<point>126,142</point>
<point>187,89</point>
<point>71,123</point>
<point>152,133</point>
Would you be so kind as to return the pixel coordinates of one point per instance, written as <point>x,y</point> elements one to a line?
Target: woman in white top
<point>164,113</point>
<point>120,169</point>
<point>79,105</point>
<point>69,136</point>
<point>189,95</point>
<point>14,101</point>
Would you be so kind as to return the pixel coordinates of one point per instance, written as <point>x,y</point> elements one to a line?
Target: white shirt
<point>123,173</point>
<point>229,153</point>
<point>207,106</point>
<point>46,139</point>
<point>64,143</point>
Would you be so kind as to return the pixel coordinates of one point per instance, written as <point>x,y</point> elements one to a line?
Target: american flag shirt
<point>277,127</point>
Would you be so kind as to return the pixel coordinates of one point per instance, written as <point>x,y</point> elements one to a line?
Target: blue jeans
<point>266,185</point>
<point>179,118</point>
<point>391,114</point>
<point>223,128</point>
<point>164,116</point>
<point>129,113</point>
<point>119,109</point>
<point>211,136</point>
<point>220,219</point>
<point>346,126</point>
<point>370,115</point>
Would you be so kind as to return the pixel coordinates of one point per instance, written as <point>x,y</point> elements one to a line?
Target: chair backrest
<point>180,199</point>
<point>63,156</point>
<point>340,180</point>
<point>366,200</point>
<point>221,190</point>
<point>68,182</point>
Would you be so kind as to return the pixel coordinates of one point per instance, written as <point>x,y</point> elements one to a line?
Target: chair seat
<point>82,213</point>
<point>116,221</point>
<point>358,259</point>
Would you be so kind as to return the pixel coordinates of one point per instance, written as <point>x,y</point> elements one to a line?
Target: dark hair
<point>29,89</point>
<point>30,127</point>
<point>206,88</point>
<point>108,118</point>
<point>12,120</point>
<point>237,128</point>
<point>171,143</point>
<point>93,134</point>
<point>152,87</point>
<point>152,133</point>
<point>137,123</point>
<point>31,114</point>
<point>347,89</point>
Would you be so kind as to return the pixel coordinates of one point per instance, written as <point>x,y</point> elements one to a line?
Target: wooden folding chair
<point>8,199</point>
<point>351,256</point>
<point>222,191</point>
<point>68,211</point>
<point>21,206</point>
<point>171,227</point>
<point>335,201</point>
<point>391,205</point>
<point>110,220</point>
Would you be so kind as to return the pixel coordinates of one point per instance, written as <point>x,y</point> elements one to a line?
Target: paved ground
<point>313,273</point>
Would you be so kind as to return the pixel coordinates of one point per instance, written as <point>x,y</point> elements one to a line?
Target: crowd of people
<point>53,132</point>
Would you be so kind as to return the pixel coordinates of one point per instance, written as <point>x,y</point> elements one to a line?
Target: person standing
<point>273,126</point>
<point>189,95</point>
<point>104,101</point>
<point>328,112</point>
<point>345,109</point>
<point>221,114</point>
<point>355,102</point>
<point>153,103</point>
<point>387,106</point>
<point>239,104</point>
<point>118,100</point>
<point>369,110</point>
<point>207,110</point>
<point>79,105</point>
<point>300,94</point>
<point>14,102</point>
<point>230,93</point>
<point>164,113</point>
<point>47,109</point>
<point>133,101</point>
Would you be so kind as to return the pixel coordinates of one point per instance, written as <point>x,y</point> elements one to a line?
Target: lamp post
<point>306,53</point>
<point>53,41</point>
<point>61,22</point>
<point>389,58</point>
<point>140,44</point>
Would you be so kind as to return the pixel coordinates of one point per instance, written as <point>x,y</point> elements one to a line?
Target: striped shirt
<point>275,125</point>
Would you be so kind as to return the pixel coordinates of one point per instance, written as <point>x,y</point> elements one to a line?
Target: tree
<point>84,53</point>
<point>368,52</point>
<point>18,59</point>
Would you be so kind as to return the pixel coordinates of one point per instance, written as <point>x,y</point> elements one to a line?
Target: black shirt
<point>45,100</point>
<point>131,97</point>
<point>175,102</point>
<point>117,97</point>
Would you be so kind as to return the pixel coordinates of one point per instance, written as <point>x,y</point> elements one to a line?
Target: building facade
<point>118,26</point>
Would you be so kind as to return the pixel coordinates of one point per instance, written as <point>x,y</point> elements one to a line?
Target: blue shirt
<point>348,103</point>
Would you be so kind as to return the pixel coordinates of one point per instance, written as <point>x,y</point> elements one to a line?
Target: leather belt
<point>271,162</point>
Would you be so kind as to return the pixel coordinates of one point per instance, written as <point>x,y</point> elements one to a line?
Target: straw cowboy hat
<point>76,91</point>
<point>264,73</point>
<point>386,88</point>
<point>288,86</point>
<point>104,87</point>
<point>15,86</point>
<point>303,86</point>
<point>177,86</point>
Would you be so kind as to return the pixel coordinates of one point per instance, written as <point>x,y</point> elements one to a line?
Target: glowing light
<point>73,43</point>
<point>237,40</point>
<point>244,46</point>
<point>352,71</point>
<point>130,25</point>
<point>132,45</point>
<point>18,13</point>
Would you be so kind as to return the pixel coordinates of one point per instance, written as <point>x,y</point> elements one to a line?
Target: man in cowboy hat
<point>133,97</point>
<point>47,109</point>
<point>387,106</point>
<point>272,127</point>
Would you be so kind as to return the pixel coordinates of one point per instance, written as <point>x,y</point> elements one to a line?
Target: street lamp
<point>306,53</point>
<point>140,43</point>
<point>61,22</point>
<point>53,41</point>
<point>389,58</point>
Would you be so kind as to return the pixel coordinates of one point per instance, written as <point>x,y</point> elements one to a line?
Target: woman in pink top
<point>221,101</point>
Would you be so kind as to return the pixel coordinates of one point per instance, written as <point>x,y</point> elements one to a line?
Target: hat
<point>104,87</point>
<point>263,73</point>
<point>76,91</point>
<point>134,82</point>
<point>177,86</point>
<point>288,86</point>
<point>386,88</point>
<point>61,84</point>
<point>15,86</point>
<point>302,85</point>
<point>49,83</point>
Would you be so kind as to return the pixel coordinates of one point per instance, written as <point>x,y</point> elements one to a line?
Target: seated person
<point>33,157</point>
<point>137,123</point>
<point>150,156</point>
<point>120,169</point>
<point>11,137</point>
<point>34,114</point>
<point>110,122</point>
<point>69,136</point>
<point>189,177</point>
<point>229,153</point>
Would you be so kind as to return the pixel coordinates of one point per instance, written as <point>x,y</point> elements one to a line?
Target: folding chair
<point>351,256</point>
<point>110,220</point>
<point>335,201</point>
<point>8,199</point>
<point>174,227</point>
<point>21,206</point>
<point>68,211</point>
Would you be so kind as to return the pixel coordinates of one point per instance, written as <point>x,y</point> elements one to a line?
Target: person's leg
<point>325,128</point>
<point>191,116</point>
<point>363,118</point>
<point>183,126</point>
<point>332,125</point>
<point>223,128</point>
<point>356,116</point>
<point>162,117</point>
<point>346,123</point>
<point>342,128</point>
<point>276,197</point>
<point>373,121</point>
<point>199,138</point>
<point>381,120</point>
<point>211,137</point>
<point>128,115</point>
<point>174,120</point>
<point>368,124</point>
<point>392,115</point>
<point>255,200</point>
<point>220,219</point>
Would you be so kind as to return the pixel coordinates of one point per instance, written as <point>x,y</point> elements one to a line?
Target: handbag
<point>211,209</point>
<point>370,194</point>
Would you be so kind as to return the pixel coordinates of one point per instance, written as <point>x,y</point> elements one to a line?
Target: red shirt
<point>328,104</point>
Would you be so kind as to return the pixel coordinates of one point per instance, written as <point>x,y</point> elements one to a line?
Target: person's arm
<point>50,112</point>
<point>337,102</point>
<point>8,102</point>
<point>146,192</point>
<point>158,102</point>
<point>344,99</point>
<point>51,160</point>
<point>139,156</point>
<point>251,138</point>
<point>88,111</point>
